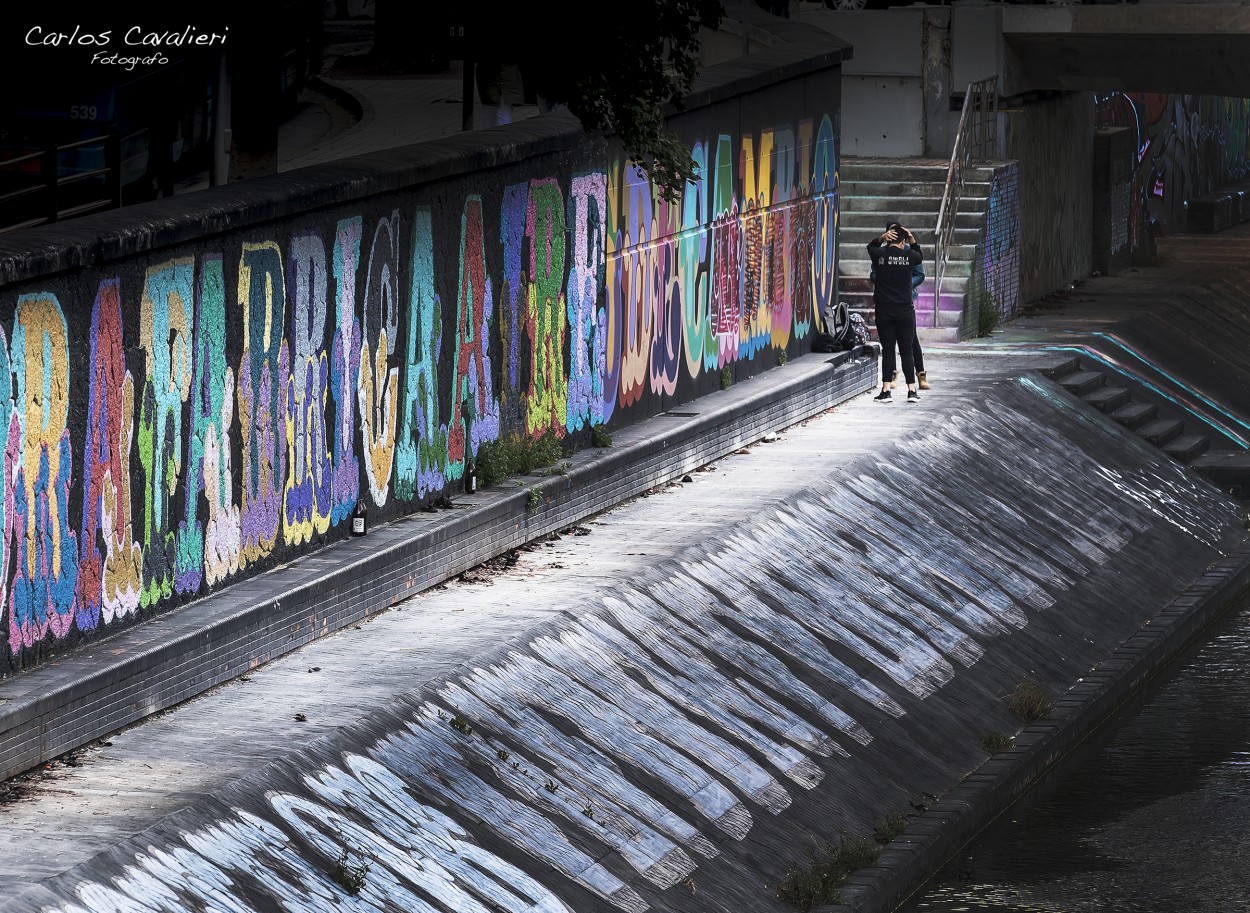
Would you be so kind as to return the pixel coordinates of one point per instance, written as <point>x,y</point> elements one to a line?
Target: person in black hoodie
<point>894,256</point>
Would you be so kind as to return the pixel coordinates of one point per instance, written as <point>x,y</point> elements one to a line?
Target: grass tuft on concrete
<point>516,455</point>
<point>1029,701</point>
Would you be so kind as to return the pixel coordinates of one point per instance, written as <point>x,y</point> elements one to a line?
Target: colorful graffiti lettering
<point>262,373</point>
<point>306,499</point>
<point>45,558</point>
<point>378,385</point>
<point>237,398</point>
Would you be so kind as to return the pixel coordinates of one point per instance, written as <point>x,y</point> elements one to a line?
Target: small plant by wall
<point>1029,701</point>
<point>599,436</point>
<point>889,827</point>
<point>819,882</point>
<point>726,378</point>
<point>516,455</point>
<point>534,500</point>
<point>993,742</point>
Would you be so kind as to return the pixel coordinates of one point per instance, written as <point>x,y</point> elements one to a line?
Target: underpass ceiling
<point>1196,64</point>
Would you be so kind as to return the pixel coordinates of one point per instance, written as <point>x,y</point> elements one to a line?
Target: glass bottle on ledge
<point>360,517</point>
<point>470,465</point>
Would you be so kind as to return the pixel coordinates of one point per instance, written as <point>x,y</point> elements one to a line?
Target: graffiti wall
<point>178,420</point>
<point>994,286</point>
<point>1187,146</point>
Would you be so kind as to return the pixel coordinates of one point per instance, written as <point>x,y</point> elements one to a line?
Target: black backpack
<point>837,327</point>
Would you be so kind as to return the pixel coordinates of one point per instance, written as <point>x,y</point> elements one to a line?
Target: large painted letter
<point>379,382</point>
<point>545,322</point>
<point>825,234</point>
<point>262,379</point>
<point>692,270</point>
<point>307,499</point>
<point>727,257</point>
<point>108,584</point>
<point>165,334</point>
<point>345,369</point>
<point>588,205</point>
<point>218,549</point>
<point>45,574</point>
<point>472,369</point>
<point>421,451</point>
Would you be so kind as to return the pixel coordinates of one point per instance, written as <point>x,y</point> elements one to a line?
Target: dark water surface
<point>1152,816</point>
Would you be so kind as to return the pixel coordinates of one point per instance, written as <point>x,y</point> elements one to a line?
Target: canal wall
<point>681,742</point>
<point>197,391</point>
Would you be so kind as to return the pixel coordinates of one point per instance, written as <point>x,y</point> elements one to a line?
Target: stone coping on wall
<point>97,689</point>
<point>91,241</point>
<point>937,835</point>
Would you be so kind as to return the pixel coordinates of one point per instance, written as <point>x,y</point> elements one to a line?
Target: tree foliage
<point>616,69</point>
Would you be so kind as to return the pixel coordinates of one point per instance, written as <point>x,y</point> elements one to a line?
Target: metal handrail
<point>976,138</point>
<point>50,183</point>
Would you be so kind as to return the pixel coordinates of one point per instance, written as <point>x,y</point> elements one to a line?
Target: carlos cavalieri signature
<point>113,45</point>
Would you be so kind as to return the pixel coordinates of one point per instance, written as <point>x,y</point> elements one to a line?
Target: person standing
<point>894,255</point>
<point>922,379</point>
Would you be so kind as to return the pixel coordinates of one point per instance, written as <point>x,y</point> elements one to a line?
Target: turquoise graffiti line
<point>213,551</point>
<point>165,329</point>
<point>693,266</point>
<point>421,450</point>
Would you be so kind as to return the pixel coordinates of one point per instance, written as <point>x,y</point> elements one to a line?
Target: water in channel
<point>1151,815</point>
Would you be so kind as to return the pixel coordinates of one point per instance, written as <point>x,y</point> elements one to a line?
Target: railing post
<point>980,97</point>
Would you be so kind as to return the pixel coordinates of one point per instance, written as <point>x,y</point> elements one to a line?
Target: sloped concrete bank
<point>679,744</point>
<point>61,706</point>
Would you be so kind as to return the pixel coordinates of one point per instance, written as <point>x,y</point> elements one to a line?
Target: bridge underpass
<point>696,686</point>
<point>1171,48</point>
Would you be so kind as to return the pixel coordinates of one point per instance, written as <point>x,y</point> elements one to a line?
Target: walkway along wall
<point>196,391</point>
<point>1187,146</point>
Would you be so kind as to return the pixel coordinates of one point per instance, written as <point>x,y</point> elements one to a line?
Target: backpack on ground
<point>837,324</point>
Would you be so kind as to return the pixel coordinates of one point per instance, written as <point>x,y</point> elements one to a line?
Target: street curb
<point>96,690</point>
<point>937,836</point>
<point>341,97</point>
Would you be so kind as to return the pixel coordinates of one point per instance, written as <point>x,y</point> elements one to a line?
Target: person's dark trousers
<point>917,356</point>
<point>897,330</point>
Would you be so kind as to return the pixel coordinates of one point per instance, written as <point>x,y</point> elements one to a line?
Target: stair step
<point>1134,415</point>
<point>855,189</point>
<point>909,203</point>
<point>1229,471</point>
<point>1107,399</point>
<point>1082,382</point>
<point>1186,447</point>
<point>922,222</point>
<point>851,169</point>
<point>1062,369</point>
<point>1160,431</point>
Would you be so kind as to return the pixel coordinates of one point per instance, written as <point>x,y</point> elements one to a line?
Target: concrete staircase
<point>873,191</point>
<point>1177,432</point>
